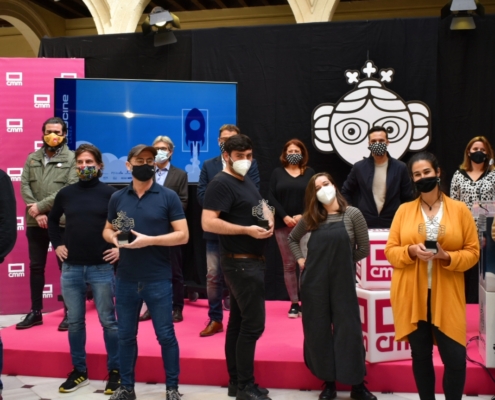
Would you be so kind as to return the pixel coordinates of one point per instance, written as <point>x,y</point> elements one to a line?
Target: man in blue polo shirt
<point>146,210</point>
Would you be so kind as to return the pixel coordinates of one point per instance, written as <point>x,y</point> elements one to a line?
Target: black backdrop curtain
<point>285,71</point>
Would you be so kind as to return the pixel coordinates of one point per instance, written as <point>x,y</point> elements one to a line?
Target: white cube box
<point>375,272</point>
<point>377,323</point>
<point>486,344</point>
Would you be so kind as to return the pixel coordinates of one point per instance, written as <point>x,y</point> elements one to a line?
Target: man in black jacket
<point>8,221</point>
<point>379,184</point>
<point>175,179</point>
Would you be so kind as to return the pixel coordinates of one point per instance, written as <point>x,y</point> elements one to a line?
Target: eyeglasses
<point>142,161</point>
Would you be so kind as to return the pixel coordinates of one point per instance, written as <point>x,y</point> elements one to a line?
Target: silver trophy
<point>264,213</point>
<point>433,229</point>
<point>124,224</point>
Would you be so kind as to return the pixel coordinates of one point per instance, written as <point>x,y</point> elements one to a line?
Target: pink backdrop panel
<point>26,101</point>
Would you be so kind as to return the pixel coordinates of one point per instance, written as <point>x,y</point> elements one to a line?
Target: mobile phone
<point>431,245</point>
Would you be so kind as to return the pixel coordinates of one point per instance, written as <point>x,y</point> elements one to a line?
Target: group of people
<point>433,244</point>
<point>84,219</point>
<point>321,232</point>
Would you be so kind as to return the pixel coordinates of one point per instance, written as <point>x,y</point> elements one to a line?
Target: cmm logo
<point>20,223</point>
<point>13,78</point>
<point>385,341</point>
<point>379,268</point>
<point>38,144</point>
<point>342,127</point>
<point>15,174</point>
<point>41,101</point>
<point>48,291</point>
<point>14,125</point>
<point>16,270</point>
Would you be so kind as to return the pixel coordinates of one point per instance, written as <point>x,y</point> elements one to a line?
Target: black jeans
<point>177,277</point>
<point>452,353</point>
<point>38,242</point>
<point>246,280</point>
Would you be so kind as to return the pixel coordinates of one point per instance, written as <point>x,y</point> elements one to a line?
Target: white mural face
<point>342,127</point>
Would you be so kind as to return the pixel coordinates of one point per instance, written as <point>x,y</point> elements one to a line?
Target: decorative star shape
<point>352,76</point>
<point>387,75</point>
<point>370,69</point>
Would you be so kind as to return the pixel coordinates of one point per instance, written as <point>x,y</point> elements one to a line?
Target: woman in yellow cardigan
<point>432,241</point>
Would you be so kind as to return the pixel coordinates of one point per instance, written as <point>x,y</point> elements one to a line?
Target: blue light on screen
<point>116,115</point>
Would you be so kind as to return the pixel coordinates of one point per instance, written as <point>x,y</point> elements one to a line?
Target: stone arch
<point>313,10</point>
<point>26,20</point>
<point>116,16</point>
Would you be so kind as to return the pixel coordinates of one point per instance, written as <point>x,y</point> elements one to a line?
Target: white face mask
<point>161,156</point>
<point>326,194</point>
<point>241,166</point>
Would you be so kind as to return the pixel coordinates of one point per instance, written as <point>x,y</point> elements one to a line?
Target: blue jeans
<point>74,281</point>
<point>214,280</point>
<point>246,280</point>
<point>158,298</point>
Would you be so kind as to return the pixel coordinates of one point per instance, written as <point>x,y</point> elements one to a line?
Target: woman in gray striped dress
<point>333,339</point>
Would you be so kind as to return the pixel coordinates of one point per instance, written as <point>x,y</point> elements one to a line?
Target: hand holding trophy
<point>123,224</point>
<point>265,214</point>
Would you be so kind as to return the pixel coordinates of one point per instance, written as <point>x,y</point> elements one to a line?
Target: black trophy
<point>264,213</point>
<point>124,224</point>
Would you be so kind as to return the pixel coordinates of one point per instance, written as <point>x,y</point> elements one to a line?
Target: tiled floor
<point>37,388</point>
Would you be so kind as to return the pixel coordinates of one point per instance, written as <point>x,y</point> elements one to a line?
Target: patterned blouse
<point>463,188</point>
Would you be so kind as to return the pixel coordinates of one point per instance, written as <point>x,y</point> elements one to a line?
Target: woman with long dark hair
<point>333,339</point>
<point>474,181</point>
<point>432,241</point>
<point>287,186</point>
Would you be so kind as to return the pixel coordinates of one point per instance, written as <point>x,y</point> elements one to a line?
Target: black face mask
<point>478,157</point>
<point>426,185</point>
<point>143,173</point>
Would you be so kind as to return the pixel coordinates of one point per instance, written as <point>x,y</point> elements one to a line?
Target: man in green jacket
<point>46,171</point>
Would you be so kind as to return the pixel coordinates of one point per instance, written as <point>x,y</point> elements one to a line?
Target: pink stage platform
<point>43,351</point>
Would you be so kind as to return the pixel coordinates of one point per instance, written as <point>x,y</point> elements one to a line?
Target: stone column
<point>116,16</point>
<point>313,10</point>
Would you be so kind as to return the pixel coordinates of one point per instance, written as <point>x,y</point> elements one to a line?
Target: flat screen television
<point>115,115</point>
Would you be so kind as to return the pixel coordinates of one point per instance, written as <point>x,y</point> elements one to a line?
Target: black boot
<point>64,325</point>
<point>361,392</point>
<point>329,392</point>
<point>250,392</point>
<point>30,320</point>
<point>232,389</point>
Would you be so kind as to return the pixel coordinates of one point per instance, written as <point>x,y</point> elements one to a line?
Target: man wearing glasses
<point>46,171</point>
<point>175,179</point>
<point>156,220</point>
